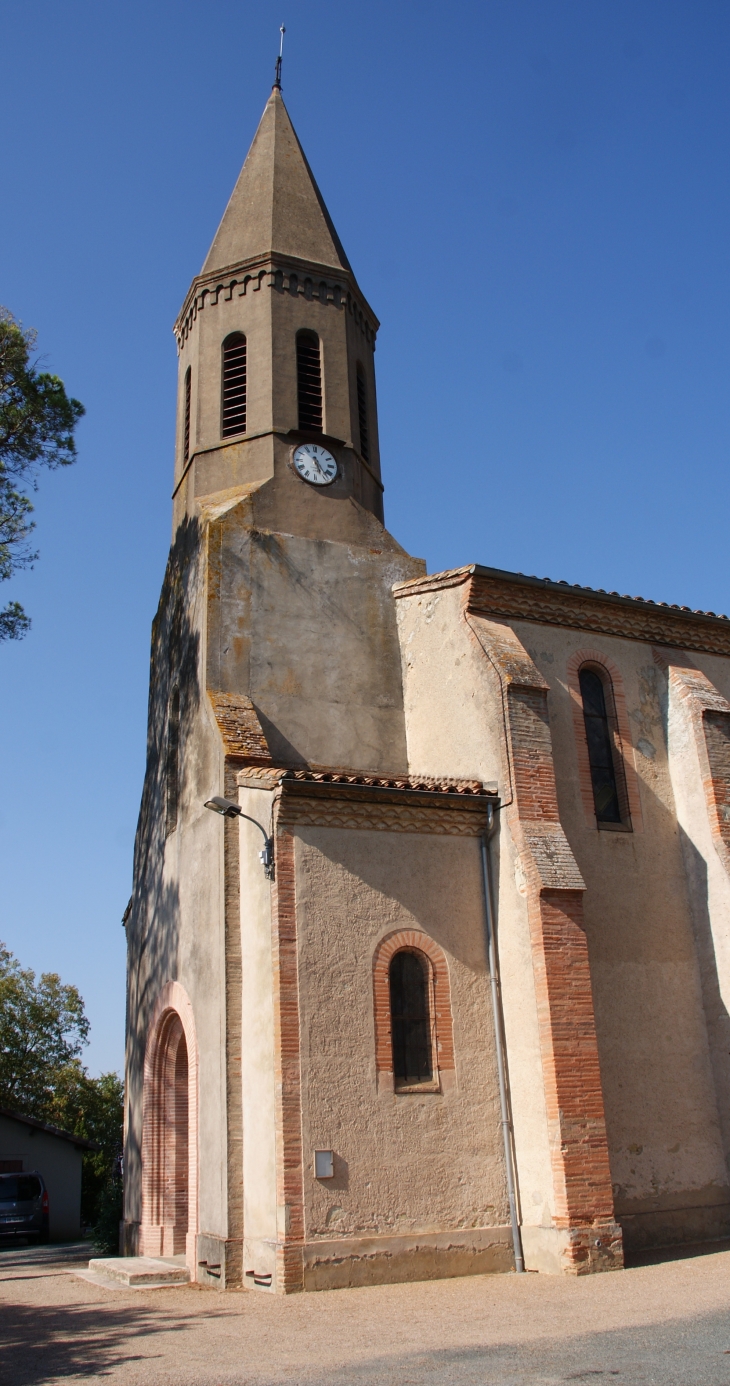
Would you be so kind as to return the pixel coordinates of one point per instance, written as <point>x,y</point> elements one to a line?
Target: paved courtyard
<point>666,1323</point>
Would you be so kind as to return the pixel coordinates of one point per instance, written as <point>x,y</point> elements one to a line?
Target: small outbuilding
<point>27,1144</point>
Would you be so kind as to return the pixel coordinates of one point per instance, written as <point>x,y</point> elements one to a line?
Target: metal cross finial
<point>277,79</point>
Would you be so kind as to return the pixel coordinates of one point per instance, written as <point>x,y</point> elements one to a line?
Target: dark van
<point>23,1206</point>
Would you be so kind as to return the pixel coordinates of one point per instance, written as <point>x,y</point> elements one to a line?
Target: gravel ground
<point>665,1323</point>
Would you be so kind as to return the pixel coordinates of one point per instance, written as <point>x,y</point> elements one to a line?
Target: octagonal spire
<point>276,204</point>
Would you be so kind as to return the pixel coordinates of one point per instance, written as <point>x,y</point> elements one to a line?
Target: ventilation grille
<point>233,413</point>
<point>362,415</point>
<point>186,427</point>
<point>309,383</point>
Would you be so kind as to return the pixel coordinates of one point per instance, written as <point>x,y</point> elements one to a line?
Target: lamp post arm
<point>266,854</point>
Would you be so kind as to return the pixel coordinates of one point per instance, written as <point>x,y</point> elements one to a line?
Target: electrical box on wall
<point>324,1164</point>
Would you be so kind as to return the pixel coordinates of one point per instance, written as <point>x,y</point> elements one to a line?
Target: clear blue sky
<point>534,196</point>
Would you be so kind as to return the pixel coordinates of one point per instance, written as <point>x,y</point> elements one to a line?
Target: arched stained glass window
<point>410,1018</point>
<point>600,747</point>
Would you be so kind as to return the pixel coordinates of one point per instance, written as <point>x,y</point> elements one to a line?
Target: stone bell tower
<point>274,645</point>
<point>277,276</point>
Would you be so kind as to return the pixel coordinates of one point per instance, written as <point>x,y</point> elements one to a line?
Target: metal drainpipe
<point>507,1131</point>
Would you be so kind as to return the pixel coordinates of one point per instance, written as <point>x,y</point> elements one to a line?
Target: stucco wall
<point>455,726</point>
<point>656,913</point>
<point>661,1110</point>
<point>404,1162</point>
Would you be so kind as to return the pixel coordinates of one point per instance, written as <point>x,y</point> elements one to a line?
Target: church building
<point>428,947</point>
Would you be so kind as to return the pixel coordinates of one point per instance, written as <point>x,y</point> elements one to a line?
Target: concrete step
<point>140,1272</point>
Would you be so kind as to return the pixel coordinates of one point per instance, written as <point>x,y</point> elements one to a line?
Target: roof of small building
<point>49,1130</point>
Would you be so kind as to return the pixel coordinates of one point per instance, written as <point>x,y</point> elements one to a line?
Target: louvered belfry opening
<point>309,382</point>
<point>233,404</point>
<point>362,414</point>
<point>186,419</point>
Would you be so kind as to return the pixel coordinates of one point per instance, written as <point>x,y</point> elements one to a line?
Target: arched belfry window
<point>186,417</point>
<point>362,413</point>
<point>607,778</point>
<point>233,386</point>
<point>410,1018</point>
<point>309,382</point>
<point>172,761</point>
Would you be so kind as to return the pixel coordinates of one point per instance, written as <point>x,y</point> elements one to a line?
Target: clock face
<point>315,464</point>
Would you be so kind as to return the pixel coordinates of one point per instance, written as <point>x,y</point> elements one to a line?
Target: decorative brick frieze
<point>514,597</point>
<point>379,817</point>
<point>621,734</point>
<point>442,1030</point>
<point>296,278</point>
<point>170,1130</point>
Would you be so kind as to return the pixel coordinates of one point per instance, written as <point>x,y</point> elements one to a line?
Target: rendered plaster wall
<point>454,726</point>
<point>412,1162</point>
<point>661,1111</point>
<point>306,628</point>
<point>58,1161</point>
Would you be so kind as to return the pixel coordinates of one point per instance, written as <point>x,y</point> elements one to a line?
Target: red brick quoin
<point>439,998</point>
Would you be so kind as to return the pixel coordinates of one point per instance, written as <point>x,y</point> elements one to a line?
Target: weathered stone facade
<point>377,724</point>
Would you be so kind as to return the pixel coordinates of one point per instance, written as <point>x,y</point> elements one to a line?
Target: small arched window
<point>233,386</point>
<point>186,417</point>
<point>410,1018</point>
<point>609,790</point>
<point>362,413</point>
<point>309,382</point>
<point>172,761</point>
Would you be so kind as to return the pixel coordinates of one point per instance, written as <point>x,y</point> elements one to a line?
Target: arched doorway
<point>169,1157</point>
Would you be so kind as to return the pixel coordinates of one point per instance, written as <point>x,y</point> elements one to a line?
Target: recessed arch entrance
<point>169,1132</point>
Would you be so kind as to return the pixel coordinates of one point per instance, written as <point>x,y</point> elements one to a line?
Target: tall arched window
<point>609,790</point>
<point>309,382</point>
<point>172,761</point>
<point>362,413</point>
<point>410,1018</point>
<point>186,418</point>
<point>233,387</point>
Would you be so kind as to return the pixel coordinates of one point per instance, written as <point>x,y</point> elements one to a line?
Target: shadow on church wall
<point>153,928</point>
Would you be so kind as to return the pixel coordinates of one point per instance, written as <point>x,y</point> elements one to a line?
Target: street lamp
<point>228,809</point>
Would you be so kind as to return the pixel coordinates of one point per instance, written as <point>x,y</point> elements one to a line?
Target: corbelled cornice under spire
<point>276,205</point>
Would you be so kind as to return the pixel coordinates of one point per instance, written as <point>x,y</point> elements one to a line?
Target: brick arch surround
<point>439,998</point>
<point>622,733</point>
<point>170,1130</point>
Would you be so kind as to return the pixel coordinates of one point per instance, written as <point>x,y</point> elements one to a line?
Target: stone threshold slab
<point>135,1272</point>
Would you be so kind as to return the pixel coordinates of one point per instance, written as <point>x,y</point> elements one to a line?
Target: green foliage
<point>109,1214</point>
<point>43,1028</point>
<point>37,422</point>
